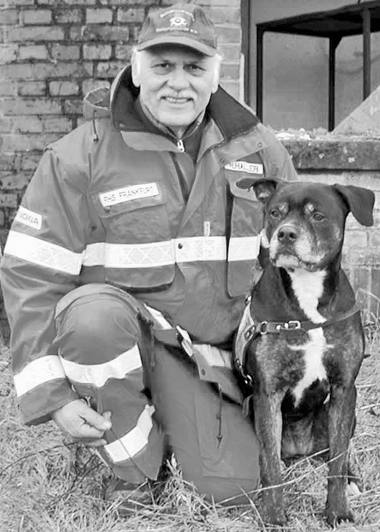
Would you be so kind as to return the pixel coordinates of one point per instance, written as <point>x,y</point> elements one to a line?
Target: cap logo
<point>178,22</point>
<point>188,26</point>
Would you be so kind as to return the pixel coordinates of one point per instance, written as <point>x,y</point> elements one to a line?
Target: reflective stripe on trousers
<point>102,350</point>
<point>98,335</point>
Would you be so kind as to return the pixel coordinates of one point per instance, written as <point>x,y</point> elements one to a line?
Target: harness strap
<point>214,364</point>
<point>249,329</point>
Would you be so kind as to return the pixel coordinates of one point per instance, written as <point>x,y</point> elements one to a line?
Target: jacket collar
<point>232,118</point>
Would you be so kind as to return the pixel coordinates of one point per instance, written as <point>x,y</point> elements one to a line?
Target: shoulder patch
<point>244,166</point>
<point>29,218</point>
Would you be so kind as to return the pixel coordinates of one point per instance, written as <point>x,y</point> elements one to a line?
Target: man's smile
<point>176,100</point>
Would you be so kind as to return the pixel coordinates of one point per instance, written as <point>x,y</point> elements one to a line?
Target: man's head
<point>176,65</point>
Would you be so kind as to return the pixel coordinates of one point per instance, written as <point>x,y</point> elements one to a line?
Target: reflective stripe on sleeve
<point>139,255</point>
<point>129,255</point>
<point>147,255</point>
<point>155,254</point>
<point>42,253</point>
<point>244,248</point>
<point>134,441</point>
<point>95,254</point>
<point>38,372</point>
<point>98,374</point>
<point>200,248</point>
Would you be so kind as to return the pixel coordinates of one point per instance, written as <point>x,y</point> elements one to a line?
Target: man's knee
<point>96,321</point>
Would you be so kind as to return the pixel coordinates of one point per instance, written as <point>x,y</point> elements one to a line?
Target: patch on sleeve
<point>26,217</point>
<point>244,166</point>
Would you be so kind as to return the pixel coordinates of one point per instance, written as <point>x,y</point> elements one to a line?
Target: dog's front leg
<point>268,424</point>
<point>341,422</point>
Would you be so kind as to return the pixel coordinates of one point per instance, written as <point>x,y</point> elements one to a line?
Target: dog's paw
<point>334,517</point>
<point>275,518</point>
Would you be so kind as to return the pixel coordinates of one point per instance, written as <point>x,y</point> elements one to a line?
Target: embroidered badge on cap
<point>133,192</point>
<point>244,166</point>
<point>178,22</point>
<point>29,218</point>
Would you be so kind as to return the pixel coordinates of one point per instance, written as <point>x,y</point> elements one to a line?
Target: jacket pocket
<point>133,220</point>
<point>138,245</point>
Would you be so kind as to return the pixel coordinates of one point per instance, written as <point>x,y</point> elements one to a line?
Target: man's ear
<point>136,68</point>
<point>264,188</point>
<point>360,202</point>
<point>216,78</point>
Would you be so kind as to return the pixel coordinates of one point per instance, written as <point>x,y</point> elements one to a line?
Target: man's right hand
<point>81,423</point>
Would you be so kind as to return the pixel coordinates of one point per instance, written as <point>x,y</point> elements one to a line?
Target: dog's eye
<point>275,213</point>
<point>318,216</point>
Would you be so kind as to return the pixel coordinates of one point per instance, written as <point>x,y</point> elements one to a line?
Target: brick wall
<point>52,52</point>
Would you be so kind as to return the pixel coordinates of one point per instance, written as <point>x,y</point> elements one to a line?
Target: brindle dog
<point>300,344</point>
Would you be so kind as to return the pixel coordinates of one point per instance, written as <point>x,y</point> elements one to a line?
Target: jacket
<point>106,205</point>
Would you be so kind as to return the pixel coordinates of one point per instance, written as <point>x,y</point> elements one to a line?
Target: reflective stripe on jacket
<point>106,204</point>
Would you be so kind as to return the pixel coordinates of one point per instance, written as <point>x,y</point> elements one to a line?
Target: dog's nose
<point>287,234</point>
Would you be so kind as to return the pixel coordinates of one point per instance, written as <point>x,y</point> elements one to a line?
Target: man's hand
<point>81,423</point>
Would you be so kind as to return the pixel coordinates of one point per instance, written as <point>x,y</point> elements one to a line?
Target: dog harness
<point>249,330</point>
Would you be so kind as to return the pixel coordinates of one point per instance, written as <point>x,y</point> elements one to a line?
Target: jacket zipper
<point>180,145</point>
<point>180,174</point>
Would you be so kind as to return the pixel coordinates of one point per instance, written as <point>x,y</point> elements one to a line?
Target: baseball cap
<point>183,24</point>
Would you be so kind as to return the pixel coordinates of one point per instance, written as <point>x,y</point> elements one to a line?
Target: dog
<point>300,343</point>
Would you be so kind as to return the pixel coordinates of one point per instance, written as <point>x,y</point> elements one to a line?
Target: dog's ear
<point>360,202</point>
<point>263,187</point>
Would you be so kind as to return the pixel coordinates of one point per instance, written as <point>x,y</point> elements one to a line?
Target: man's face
<point>175,83</point>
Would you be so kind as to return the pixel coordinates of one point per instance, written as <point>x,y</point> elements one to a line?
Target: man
<point>125,271</point>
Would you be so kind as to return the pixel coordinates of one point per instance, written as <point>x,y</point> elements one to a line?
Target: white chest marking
<point>313,349</point>
<point>308,288</point>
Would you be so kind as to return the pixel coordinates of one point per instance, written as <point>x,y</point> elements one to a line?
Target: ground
<point>50,485</point>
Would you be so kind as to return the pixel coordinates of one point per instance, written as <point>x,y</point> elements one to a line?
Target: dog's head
<point>304,222</point>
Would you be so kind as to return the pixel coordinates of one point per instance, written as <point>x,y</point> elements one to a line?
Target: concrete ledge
<point>334,153</point>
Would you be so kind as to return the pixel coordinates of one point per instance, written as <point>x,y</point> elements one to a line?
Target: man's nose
<point>178,79</point>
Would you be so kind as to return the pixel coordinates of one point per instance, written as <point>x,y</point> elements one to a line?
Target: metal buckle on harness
<point>247,379</point>
<point>263,328</point>
<point>249,333</point>
<point>292,325</point>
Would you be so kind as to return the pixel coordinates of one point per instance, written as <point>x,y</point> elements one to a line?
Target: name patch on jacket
<point>244,166</point>
<point>133,192</point>
<point>29,218</point>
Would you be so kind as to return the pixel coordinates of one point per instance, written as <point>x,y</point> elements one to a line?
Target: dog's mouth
<point>290,260</point>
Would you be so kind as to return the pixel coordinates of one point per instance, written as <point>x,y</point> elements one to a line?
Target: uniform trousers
<point>155,397</point>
